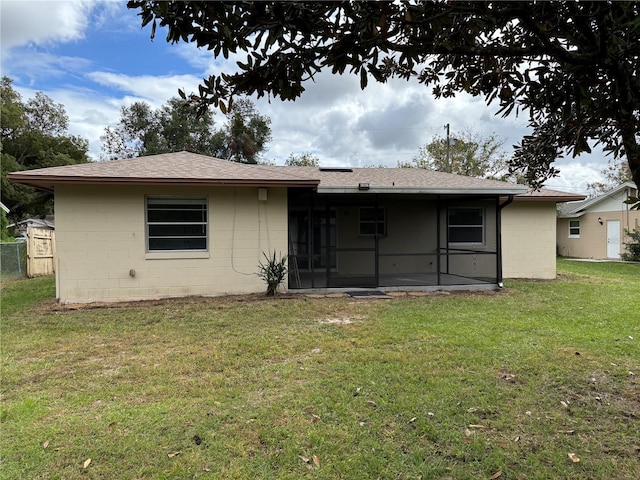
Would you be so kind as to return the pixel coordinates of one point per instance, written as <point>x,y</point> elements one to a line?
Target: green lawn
<point>490,385</point>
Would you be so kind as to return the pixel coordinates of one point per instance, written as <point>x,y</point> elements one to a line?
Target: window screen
<point>574,228</point>
<point>176,223</point>
<point>372,222</point>
<point>466,225</point>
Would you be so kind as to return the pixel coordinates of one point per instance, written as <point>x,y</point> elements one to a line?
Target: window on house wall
<point>574,228</point>
<point>466,225</point>
<point>176,223</point>
<point>373,221</point>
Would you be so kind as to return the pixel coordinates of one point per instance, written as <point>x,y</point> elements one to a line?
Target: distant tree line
<point>34,134</point>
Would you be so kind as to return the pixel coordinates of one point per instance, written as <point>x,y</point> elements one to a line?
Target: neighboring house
<point>185,224</point>
<point>46,223</point>
<point>529,234</point>
<point>594,228</point>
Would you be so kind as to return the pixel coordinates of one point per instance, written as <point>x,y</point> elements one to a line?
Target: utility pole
<point>446,127</point>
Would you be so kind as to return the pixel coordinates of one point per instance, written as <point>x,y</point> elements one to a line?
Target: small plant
<point>273,272</point>
<point>633,247</point>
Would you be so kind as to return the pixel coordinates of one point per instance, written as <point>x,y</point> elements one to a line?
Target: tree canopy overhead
<point>571,67</point>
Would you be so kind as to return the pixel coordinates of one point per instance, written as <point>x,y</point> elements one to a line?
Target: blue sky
<point>93,57</point>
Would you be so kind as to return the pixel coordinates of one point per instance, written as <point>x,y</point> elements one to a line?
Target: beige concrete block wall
<point>100,234</point>
<point>529,240</point>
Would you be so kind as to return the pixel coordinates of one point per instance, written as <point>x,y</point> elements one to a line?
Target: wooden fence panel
<point>41,252</point>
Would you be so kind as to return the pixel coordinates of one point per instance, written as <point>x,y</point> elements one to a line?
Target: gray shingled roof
<point>575,209</point>
<point>402,180</point>
<point>165,169</point>
<point>547,195</point>
<point>182,168</point>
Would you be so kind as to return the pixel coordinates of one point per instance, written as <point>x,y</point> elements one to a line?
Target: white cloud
<point>575,177</point>
<point>33,65</point>
<point>42,22</point>
<point>155,90</point>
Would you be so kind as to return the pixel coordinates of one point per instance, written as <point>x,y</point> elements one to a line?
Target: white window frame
<point>483,226</point>
<point>202,204</point>
<point>574,235</point>
<point>380,219</point>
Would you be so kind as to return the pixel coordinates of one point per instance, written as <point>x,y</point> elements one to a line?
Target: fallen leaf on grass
<point>307,460</point>
<point>173,454</point>
<point>413,419</point>
<point>86,463</point>
<point>480,427</point>
<point>371,403</point>
<point>467,432</point>
<point>574,458</point>
<point>498,474</point>
<point>45,444</point>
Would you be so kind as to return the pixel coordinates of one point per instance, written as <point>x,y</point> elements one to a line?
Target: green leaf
<point>363,78</point>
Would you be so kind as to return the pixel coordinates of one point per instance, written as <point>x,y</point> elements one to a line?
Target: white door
<point>613,238</point>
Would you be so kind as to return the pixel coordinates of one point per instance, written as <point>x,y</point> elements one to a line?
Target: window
<point>574,228</point>
<point>369,219</point>
<point>176,223</point>
<point>466,225</point>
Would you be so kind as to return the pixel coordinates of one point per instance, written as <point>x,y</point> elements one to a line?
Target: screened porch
<point>368,240</point>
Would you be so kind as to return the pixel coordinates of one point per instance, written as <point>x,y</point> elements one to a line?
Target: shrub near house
<point>633,247</point>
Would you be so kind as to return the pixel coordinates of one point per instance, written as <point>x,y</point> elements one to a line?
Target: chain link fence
<point>13,260</point>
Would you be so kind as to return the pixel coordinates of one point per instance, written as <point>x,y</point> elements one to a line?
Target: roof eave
<point>421,190</point>
<point>48,182</point>
<point>571,215</point>
<point>550,198</point>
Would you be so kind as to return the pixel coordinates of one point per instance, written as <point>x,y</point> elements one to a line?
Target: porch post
<point>376,242</point>
<point>498,242</point>
<point>327,232</point>
<point>438,220</point>
<point>310,240</point>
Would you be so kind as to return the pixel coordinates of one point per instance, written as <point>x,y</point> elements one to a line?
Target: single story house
<point>186,224</point>
<point>594,228</point>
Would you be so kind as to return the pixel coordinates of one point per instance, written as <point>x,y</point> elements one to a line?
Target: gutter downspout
<point>499,237</point>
